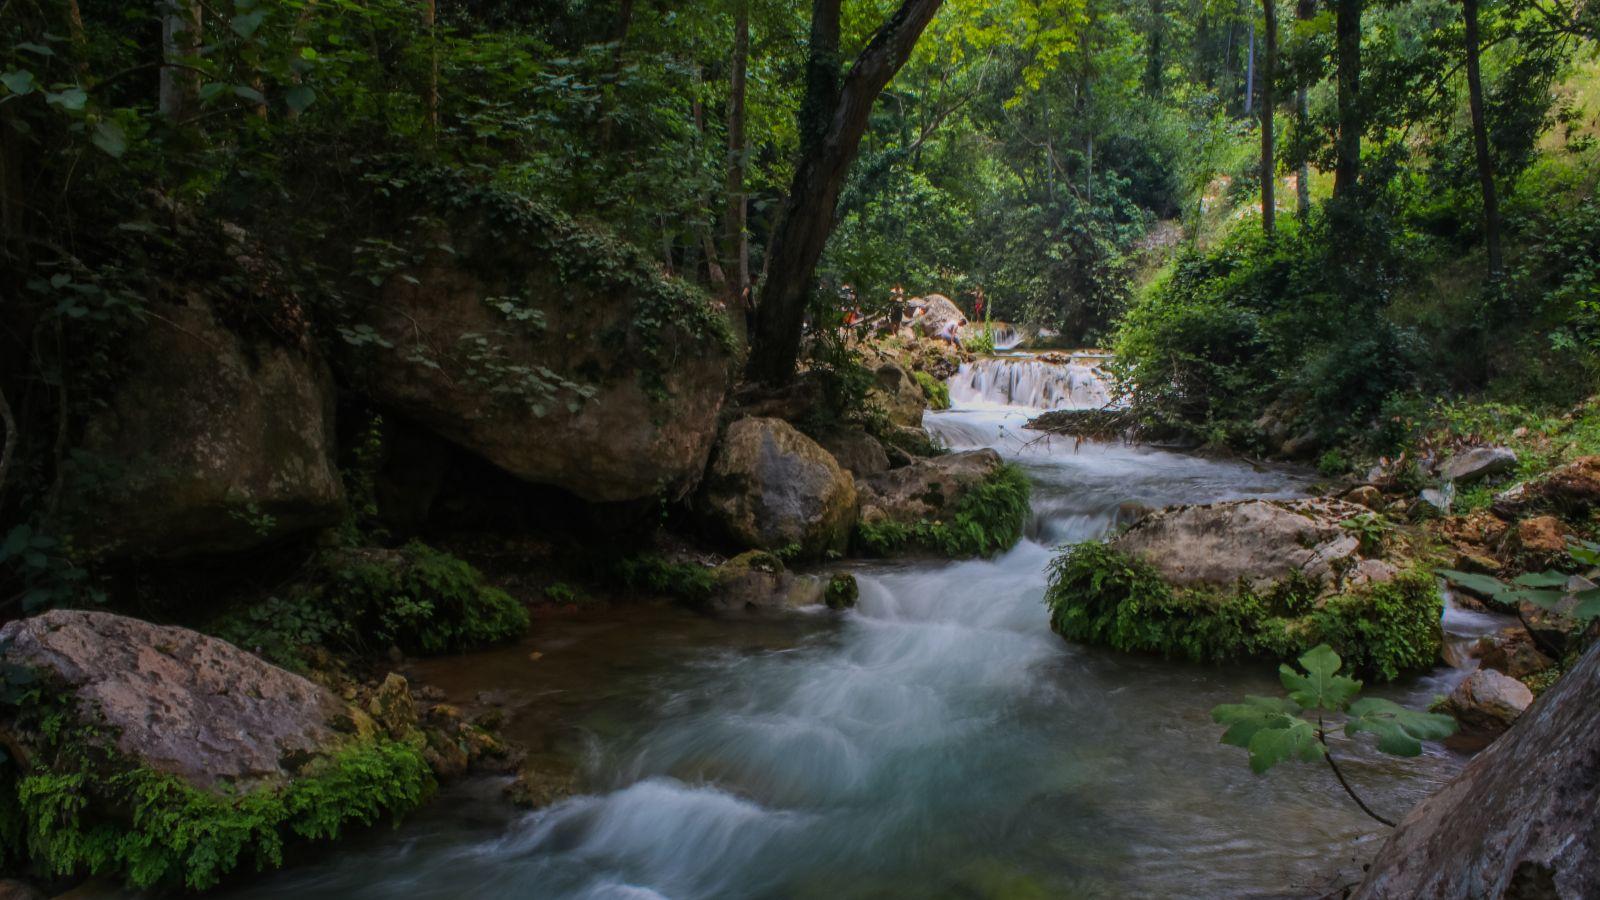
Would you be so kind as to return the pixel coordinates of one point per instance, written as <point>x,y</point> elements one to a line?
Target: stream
<point>937,741</point>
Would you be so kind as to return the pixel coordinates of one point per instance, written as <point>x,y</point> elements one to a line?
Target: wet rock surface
<point>926,488</point>
<point>769,487</point>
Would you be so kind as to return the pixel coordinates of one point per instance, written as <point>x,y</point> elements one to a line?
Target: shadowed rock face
<point>1522,819</point>
<point>927,489</point>
<point>180,702</point>
<point>554,391</point>
<point>211,443</point>
<point>769,487</point>
<point>1260,541</point>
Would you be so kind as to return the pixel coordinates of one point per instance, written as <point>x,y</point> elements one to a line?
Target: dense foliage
<point>986,519</point>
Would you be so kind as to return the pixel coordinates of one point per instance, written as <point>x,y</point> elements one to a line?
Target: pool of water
<point>937,741</point>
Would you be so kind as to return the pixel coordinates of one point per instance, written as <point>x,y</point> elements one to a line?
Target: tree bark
<point>1269,72</point>
<point>1347,151</point>
<point>833,117</point>
<point>180,39</point>
<point>736,236</point>
<point>1480,143</point>
<point>1304,10</point>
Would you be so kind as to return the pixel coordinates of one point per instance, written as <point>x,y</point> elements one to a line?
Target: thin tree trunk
<point>180,39</point>
<point>1305,10</point>
<point>619,40</point>
<point>430,12</point>
<point>1269,161</point>
<point>1250,72</point>
<point>833,118</point>
<point>736,219</point>
<point>1347,150</point>
<point>1155,50</point>
<point>1480,143</point>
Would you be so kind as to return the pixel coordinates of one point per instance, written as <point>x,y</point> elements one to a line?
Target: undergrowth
<point>82,809</point>
<point>1100,595</point>
<point>987,519</point>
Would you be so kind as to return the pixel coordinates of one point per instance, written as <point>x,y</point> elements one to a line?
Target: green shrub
<point>937,392</point>
<point>81,808</point>
<point>685,581</point>
<point>422,600</point>
<point>986,520</point>
<point>1100,595</point>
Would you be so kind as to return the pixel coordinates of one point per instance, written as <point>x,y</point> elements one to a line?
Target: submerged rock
<point>1486,702</point>
<point>211,442</point>
<point>769,487</point>
<point>759,580</point>
<point>1520,820</point>
<point>1477,463</point>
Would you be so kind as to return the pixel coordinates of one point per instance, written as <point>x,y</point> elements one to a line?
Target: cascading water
<point>938,740</point>
<point>1025,381</point>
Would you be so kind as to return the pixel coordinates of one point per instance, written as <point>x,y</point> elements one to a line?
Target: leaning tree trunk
<point>1347,150</point>
<point>1269,71</point>
<point>833,117</point>
<point>1480,142</point>
<point>180,40</point>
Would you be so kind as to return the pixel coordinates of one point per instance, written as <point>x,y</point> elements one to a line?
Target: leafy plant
<point>1370,530</point>
<point>987,519</point>
<point>1274,729</point>
<point>1547,590</point>
<point>937,392</point>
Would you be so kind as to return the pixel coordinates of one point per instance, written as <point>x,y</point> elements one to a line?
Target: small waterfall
<point>1031,382</point>
<point>1006,335</point>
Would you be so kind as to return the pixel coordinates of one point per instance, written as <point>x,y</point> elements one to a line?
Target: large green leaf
<point>19,82</point>
<point>1473,582</point>
<point>1588,605</point>
<point>1319,688</point>
<point>1288,737</point>
<point>1400,731</point>
<point>1245,719</point>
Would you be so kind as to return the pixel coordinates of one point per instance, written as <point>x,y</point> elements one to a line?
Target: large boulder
<point>1478,462</point>
<point>1256,542</point>
<point>861,453</point>
<point>896,392</point>
<point>1570,490</point>
<point>757,580</point>
<point>213,440</point>
<point>769,487</point>
<point>180,702</point>
<point>1486,702</point>
<point>1521,820</point>
<point>929,315</point>
<point>555,353</point>
<point>927,489</point>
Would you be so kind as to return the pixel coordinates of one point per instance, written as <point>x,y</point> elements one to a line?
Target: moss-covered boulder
<point>213,440</point>
<point>160,756</point>
<point>956,505</point>
<point>553,350</point>
<point>1236,581</point>
<point>759,580</point>
<point>771,488</point>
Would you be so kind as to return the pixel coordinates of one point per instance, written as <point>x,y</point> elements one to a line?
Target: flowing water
<point>937,741</point>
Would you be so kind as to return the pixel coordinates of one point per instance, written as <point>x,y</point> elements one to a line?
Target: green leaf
<point>246,92</point>
<point>72,99</point>
<point>39,49</point>
<point>19,82</point>
<point>1245,719</point>
<point>1291,738</point>
<point>17,539</point>
<point>1400,731</point>
<point>245,25</point>
<point>1473,582</point>
<point>109,136</point>
<point>1541,580</point>
<point>1319,688</point>
<point>1544,599</point>
<point>299,98</point>
<point>212,90</point>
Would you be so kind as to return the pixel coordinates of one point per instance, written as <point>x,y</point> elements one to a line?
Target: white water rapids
<point>937,741</point>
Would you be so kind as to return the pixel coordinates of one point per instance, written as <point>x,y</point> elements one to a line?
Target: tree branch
<point>1327,754</point>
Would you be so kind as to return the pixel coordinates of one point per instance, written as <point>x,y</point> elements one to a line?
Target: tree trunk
<point>1269,162</point>
<point>1250,71</point>
<point>833,117</point>
<point>430,12</point>
<point>1155,50</point>
<point>735,231</point>
<point>180,39</point>
<point>1304,10</point>
<point>1347,150</point>
<point>1480,143</point>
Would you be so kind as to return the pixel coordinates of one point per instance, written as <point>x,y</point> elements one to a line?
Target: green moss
<point>842,591</point>
<point>937,392</point>
<point>82,808</point>
<point>1099,595</point>
<point>986,520</point>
